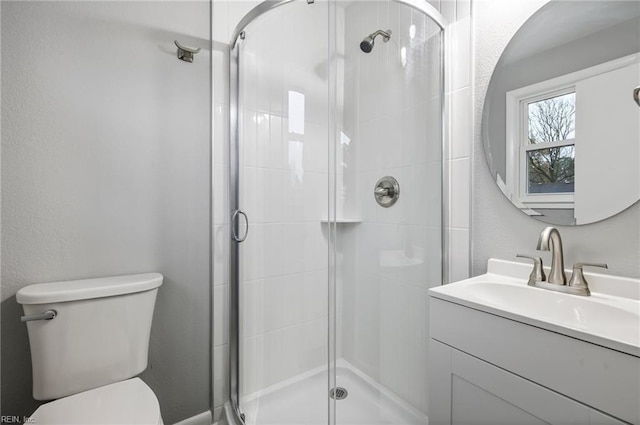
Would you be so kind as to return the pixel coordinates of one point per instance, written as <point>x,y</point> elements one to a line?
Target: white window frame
<point>539,200</point>
<point>517,124</point>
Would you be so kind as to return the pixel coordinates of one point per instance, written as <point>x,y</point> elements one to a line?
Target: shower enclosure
<point>336,165</point>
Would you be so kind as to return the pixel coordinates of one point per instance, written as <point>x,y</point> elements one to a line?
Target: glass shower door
<point>282,188</point>
<point>389,208</point>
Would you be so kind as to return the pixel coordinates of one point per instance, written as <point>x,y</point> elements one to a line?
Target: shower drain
<point>338,393</point>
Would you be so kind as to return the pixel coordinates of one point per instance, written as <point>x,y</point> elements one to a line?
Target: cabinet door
<point>469,391</point>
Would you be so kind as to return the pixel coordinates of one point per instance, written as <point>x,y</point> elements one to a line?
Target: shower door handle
<point>235,236</point>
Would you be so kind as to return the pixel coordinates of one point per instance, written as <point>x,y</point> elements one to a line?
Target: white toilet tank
<point>100,334</point>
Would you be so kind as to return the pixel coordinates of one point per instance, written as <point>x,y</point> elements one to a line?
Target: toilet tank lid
<point>74,290</point>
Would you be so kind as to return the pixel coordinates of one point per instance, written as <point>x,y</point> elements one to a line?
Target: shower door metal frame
<point>235,130</point>
<point>235,125</point>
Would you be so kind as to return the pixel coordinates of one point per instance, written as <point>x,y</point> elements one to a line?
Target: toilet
<point>89,340</point>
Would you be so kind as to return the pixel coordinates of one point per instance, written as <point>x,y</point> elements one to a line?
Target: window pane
<point>552,119</point>
<point>551,170</point>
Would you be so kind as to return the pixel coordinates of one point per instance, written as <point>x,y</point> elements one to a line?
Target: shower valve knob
<point>386,191</point>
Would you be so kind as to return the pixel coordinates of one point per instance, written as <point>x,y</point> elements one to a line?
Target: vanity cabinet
<point>472,392</point>
<point>487,369</point>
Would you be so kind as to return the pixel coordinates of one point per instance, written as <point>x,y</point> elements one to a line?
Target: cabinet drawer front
<point>482,393</point>
<point>604,379</point>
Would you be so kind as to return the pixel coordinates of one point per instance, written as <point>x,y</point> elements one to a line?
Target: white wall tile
<point>274,247</point>
<point>459,254</point>
<point>293,291</point>
<point>293,246</point>
<point>367,311</point>
<point>251,297</point>
<point>250,362</point>
<point>293,362</point>
<point>461,124</point>
<point>314,350</point>
<point>269,362</point>
<point>263,139</point>
<point>220,82</point>
<point>220,255</point>
<point>248,146</point>
<point>461,53</point>
<point>276,142</point>
<point>253,254</point>
<point>460,193</point>
<point>220,315</point>
<point>220,134</point>
<point>221,375</point>
<point>272,304</point>
<point>221,195</point>
<point>315,248</point>
<point>315,149</point>
<point>315,294</point>
<point>315,196</point>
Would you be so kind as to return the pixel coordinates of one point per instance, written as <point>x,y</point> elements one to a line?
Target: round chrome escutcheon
<point>387,191</point>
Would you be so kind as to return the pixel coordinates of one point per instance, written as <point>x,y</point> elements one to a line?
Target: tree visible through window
<point>551,149</point>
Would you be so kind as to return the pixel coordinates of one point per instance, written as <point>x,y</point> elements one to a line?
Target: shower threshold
<point>302,400</point>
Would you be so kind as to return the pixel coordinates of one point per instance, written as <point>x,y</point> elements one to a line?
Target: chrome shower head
<point>367,44</point>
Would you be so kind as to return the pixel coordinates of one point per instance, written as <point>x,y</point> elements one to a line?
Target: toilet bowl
<point>89,339</point>
<point>123,403</point>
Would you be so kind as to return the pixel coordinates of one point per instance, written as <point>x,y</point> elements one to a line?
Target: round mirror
<point>560,126</point>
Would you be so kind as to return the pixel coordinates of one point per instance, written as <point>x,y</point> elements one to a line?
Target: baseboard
<point>203,418</point>
<point>219,416</point>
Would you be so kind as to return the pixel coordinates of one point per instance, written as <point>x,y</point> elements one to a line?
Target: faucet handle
<point>577,277</point>
<point>537,274</point>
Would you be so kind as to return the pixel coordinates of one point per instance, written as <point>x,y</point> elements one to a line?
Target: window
<point>541,152</point>
<point>549,147</point>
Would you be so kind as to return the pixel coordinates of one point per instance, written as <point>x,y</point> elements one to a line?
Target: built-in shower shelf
<point>343,220</point>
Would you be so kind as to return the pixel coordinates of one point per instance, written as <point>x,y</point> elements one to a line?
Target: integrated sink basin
<point>609,317</point>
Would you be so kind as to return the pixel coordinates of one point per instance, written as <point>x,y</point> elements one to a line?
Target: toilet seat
<point>126,402</point>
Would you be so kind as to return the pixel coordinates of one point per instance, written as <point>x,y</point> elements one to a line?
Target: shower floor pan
<point>302,400</point>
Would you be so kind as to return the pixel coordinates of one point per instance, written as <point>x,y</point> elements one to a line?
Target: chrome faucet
<point>551,234</point>
<point>550,240</point>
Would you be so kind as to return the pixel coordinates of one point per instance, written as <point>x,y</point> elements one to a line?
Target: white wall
<point>105,171</point>
<point>499,229</point>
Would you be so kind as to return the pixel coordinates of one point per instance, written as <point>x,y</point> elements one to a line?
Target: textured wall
<point>499,229</point>
<point>105,171</point>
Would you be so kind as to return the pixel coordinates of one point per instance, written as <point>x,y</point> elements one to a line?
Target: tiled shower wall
<point>394,255</point>
<point>391,118</point>
<point>268,329</point>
